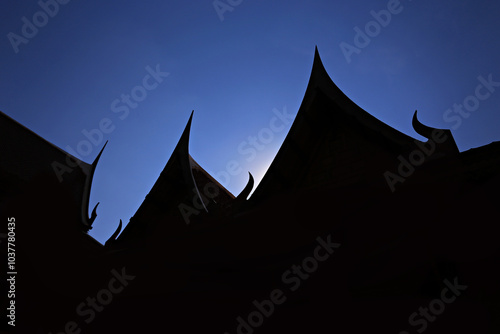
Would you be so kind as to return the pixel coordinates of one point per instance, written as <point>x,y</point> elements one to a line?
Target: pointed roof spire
<point>183,144</point>
<point>319,76</point>
<point>174,188</point>
<point>317,63</point>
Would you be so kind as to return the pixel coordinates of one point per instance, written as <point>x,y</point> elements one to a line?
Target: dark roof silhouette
<point>199,259</point>
<point>334,140</point>
<point>27,156</point>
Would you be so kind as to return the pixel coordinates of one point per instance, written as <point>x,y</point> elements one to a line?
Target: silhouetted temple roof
<point>182,192</point>
<point>27,157</point>
<point>196,258</point>
<point>333,141</point>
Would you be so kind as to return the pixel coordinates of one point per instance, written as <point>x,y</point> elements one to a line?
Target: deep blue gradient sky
<point>236,73</point>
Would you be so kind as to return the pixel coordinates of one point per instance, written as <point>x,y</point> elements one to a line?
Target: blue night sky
<point>89,64</point>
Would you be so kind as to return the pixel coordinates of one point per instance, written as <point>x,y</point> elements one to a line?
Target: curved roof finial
<point>96,160</point>
<point>448,144</point>
<point>247,190</point>
<point>421,129</point>
<point>112,238</point>
<point>93,216</point>
<point>87,222</point>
